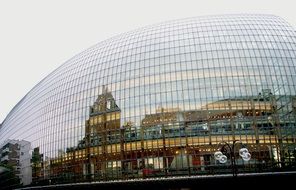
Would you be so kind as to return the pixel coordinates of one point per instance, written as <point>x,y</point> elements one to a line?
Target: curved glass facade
<point>160,100</point>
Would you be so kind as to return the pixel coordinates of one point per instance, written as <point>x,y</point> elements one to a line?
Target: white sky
<point>37,36</point>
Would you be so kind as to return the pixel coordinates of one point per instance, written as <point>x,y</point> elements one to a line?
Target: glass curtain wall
<point>160,100</point>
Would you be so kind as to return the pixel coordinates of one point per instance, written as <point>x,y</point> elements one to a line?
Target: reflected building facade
<point>160,100</point>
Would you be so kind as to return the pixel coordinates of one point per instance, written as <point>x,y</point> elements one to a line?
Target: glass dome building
<point>159,101</point>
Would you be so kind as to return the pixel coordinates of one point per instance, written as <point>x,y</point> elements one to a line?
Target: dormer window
<point>108,104</point>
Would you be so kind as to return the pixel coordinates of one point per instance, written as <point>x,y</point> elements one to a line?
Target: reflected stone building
<point>160,100</point>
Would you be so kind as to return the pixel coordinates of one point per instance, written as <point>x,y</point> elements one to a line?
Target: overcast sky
<point>36,36</point>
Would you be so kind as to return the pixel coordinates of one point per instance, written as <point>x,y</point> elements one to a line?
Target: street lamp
<point>227,148</point>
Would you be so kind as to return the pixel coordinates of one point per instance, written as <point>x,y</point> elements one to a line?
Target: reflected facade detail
<point>158,102</point>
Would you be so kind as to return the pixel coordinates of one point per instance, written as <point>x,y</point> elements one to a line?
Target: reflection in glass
<point>156,102</point>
